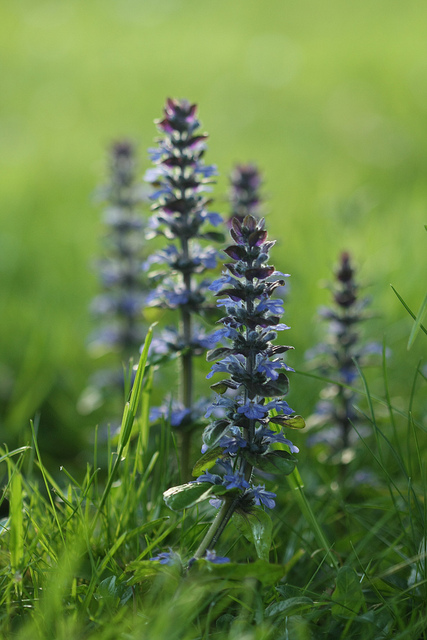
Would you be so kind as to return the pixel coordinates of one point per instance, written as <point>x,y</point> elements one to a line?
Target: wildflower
<point>166,557</point>
<point>261,496</point>
<point>180,215</point>
<point>121,303</point>
<point>211,556</point>
<point>246,433</point>
<point>118,308</point>
<point>337,357</point>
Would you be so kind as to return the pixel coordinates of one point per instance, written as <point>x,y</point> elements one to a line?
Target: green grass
<point>347,558</point>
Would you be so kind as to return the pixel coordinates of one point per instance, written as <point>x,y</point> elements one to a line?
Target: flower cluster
<point>250,400</point>
<point>245,182</point>
<point>121,303</point>
<point>180,215</point>
<point>338,355</point>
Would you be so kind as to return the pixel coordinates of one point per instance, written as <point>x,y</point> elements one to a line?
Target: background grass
<point>330,99</point>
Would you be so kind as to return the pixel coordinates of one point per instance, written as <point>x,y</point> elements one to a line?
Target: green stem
<point>187,372</point>
<point>217,527</point>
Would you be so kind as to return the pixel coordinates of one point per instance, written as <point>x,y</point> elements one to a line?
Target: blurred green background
<point>329,98</point>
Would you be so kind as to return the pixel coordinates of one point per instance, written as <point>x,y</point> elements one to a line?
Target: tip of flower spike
<point>345,271</point>
<point>123,148</point>
<point>246,176</point>
<point>179,115</point>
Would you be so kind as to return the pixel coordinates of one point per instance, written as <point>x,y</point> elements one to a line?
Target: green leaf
<point>222,386</point>
<point>274,462</point>
<point>15,452</point>
<point>214,236</point>
<point>279,387</point>
<point>257,527</point>
<point>217,353</point>
<point>290,422</point>
<point>147,569</point>
<point>207,461</point>
<point>16,522</point>
<point>131,407</point>
<point>411,313</point>
<point>187,495</point>
<point>268,574</point>
<point>348,596</point>
<point>215,431</point>
<point>289,607</point>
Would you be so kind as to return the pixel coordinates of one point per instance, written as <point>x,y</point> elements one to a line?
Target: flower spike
<point>249,407</point>
<point>180,206</point>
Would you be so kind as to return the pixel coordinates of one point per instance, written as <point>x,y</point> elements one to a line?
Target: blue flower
<point>222,365</point>
<point>175,413</point>
<point>279,405</point>
<point>209,477</point>
<point>232,307</point>
<point>212,557</point>
<point>267,436</point>
<point>217,284</point>
<point>209,340</point>
<point>214,218</point>
<point>269,367</point>
<point>235,481</point>
<point>261,496</point>
<point>281,327</point>
<point>253,411</point>
<point>166,557</point>
<point>232,364</point>
<point>221,402</point>
<point>272,306</point>
<point>232,444</point>
<point>208,258</point>
<point>206,340</point>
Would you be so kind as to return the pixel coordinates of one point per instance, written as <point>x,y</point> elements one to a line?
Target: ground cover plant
<point>130,547</point>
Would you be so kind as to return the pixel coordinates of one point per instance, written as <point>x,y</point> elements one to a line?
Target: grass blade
<point>411,313</point>
<point>129,415</point>
<point>417,324</point>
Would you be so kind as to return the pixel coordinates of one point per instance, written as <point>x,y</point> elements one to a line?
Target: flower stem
<point>217,527</point>
<point>186,370</point>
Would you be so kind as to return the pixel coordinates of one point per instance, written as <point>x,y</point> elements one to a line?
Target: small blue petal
<point>212,557</point>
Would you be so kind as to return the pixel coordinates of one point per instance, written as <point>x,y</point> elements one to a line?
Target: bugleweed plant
<point>339,358</point>
<point>119,307</point>
<point>181,217</point>
<point>250,404</point>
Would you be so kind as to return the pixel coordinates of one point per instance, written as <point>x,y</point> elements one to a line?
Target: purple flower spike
<point>256,371</point>
<point>119,308</point>
<point>250,395</point>
<point>336,357</point>
<point>181,181</point>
